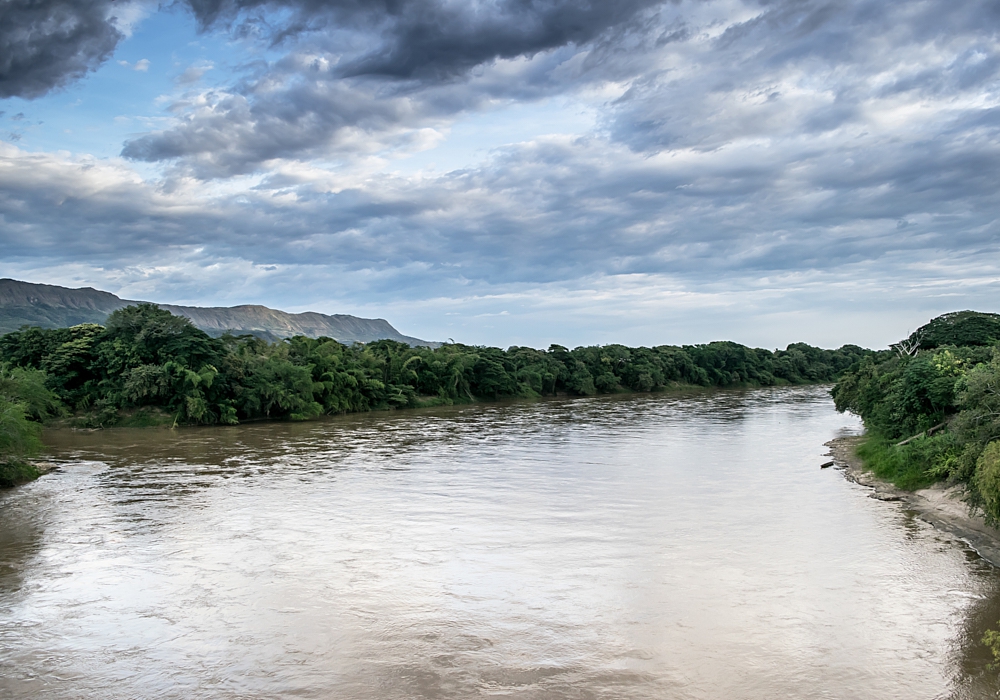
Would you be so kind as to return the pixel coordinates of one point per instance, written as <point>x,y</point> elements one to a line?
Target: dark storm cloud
<point>333,93</point>
<point>45,44</point>
<point>429,39</point>
<point>695,77</point>
<point>231,133</point>
<point>299,111</point>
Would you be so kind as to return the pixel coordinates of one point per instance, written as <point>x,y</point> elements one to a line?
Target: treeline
<point>145,362</point>
<point>941,387</point>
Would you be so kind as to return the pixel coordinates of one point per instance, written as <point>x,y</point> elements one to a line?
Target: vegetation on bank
<point>931,407</point>
<point>24,402</point>
<point>147,366</point>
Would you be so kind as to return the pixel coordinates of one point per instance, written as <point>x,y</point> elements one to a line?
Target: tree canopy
<point>959,328</point>
<point>951,379</point>
<point>146,358</point>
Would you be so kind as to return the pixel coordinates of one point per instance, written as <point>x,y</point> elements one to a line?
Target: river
<point>664,546</point>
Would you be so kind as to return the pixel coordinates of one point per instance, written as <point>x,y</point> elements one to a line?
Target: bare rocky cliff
<point>51,306</point>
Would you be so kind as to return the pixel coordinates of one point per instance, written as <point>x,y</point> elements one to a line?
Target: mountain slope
<point>51,306</point>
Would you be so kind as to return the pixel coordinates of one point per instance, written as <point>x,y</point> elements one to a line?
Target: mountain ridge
<point>53,306</point>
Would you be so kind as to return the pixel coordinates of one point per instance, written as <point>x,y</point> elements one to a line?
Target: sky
<point>513,172</point>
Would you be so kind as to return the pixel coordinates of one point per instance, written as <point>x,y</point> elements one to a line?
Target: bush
<point>27,388</point>
<point>17,473</point>
<point>986,480</point>
<point>19,437</point>
<point>914,465</point>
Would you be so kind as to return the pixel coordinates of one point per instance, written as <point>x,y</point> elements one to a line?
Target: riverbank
<point>942,506</point>
<point>154,417</point>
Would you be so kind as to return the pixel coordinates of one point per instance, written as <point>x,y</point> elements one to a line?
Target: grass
<point>16,472</point>
<point>912,466</point>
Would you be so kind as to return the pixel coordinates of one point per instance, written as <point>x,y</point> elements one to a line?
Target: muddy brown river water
<point>657,546</point>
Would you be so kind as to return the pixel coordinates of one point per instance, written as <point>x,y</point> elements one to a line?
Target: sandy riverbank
<point>941,506</point>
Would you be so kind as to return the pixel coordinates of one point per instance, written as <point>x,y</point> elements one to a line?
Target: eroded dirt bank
<point>941,506</point>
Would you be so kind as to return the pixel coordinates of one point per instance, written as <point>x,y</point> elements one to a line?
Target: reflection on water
<point>625,547</point>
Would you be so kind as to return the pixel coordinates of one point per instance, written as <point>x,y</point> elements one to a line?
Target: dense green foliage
<point>901,395</point>
<point>16,472</point>
<point>959,328</point>
<point>955,386</point>
<point>911,466</point>
<point>24,400</point>
<point>146,362</point>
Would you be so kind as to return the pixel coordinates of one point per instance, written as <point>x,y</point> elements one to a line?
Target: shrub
<point>16,473</point>
<point>914,465</point>
<point>987,480</point>
<point>18,435</point>
<point>18,439</point>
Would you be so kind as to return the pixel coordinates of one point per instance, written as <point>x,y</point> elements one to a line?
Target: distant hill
<point>50,306</point>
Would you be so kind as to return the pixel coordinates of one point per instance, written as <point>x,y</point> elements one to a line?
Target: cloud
<point>810,68</point>
<point>678,75</point>
<point>193,73</point>
<point>299,110</point>
<point>549,211</point>
<point>775,150</point>
<point>226,133</point>
<point>424,39</point>
<point>333,96</point>
<point>45,44</point>
<point>748,143</point>
<point>142,65</point>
